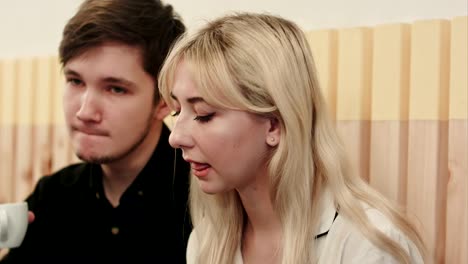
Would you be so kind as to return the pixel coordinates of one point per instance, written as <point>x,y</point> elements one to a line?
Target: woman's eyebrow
<point>190,100</point>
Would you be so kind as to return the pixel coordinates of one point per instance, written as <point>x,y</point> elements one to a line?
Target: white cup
<point>13,224</point>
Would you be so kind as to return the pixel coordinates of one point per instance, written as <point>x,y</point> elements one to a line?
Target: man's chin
<point>95,159</point>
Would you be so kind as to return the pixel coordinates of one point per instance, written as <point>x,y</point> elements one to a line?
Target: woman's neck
<point>261,239</point>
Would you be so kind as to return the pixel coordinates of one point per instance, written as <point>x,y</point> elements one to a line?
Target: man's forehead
<point>109,47</point>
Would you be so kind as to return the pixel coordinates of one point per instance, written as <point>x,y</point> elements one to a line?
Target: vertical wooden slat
<point>24,137</point>
<point>60,140</point>
<point>353,94</point>
<point>42,149</point>
<point>324,45</point>
<point>7,130</point>
<point>389,129</point>
<point>457,190</point>
<point>428,131</point>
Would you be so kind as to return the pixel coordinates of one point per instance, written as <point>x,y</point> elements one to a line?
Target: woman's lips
<point>200,169</point>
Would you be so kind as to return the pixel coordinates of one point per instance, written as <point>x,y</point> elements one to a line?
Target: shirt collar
<point>328,211</point>
<point>327,217</point>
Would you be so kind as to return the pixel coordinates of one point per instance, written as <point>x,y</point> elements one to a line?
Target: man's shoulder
<point>64,179</point>
<point>59,189</point>
<point>69,175</point>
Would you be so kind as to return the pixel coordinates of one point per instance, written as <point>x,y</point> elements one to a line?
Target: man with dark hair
<point>127,203</point>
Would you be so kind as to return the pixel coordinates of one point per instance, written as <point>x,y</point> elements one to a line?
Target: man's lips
<point>90,131</point>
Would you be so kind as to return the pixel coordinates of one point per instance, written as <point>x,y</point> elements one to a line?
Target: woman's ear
<point>274,132</point>
<point>161,110</point>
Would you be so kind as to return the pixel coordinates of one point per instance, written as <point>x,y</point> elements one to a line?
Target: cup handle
<point>3,226</point>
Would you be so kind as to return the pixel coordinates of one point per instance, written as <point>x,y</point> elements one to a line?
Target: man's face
<point>108,102</point>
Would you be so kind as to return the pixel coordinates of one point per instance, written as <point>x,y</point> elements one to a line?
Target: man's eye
<point>175,113</point>
<point>117,90</point>
<point>205,118</point>
<point>74,81</point>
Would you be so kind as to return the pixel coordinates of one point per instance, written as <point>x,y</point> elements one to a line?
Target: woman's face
<point>227,149</point>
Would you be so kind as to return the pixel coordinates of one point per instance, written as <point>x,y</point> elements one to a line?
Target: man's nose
<point>89,107</point>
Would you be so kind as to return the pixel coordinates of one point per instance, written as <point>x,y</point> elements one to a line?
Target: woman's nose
<point>180,136</point>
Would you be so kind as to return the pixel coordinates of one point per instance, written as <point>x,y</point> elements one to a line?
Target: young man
<point>127,203</point>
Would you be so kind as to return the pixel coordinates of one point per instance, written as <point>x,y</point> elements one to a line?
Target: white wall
<point>33,27</point>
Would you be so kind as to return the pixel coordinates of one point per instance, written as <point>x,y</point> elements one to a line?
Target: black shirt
<point>75,223</point>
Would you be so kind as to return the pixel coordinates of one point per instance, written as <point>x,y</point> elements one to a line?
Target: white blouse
<point>344,243</point>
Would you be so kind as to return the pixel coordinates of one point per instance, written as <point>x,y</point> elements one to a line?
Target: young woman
<point>271,183</point>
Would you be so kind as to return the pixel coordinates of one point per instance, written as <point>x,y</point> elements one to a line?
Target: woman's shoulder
<point>356,247</point>
<point>379,220</point>
<point>192,247</point>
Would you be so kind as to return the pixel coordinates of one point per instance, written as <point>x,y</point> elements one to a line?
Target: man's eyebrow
<point>70,72</point>
<point>117,80</point>
<point>191,100</point>
<point>114,80</point>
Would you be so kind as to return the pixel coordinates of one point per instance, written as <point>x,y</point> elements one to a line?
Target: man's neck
<point>119,175</point>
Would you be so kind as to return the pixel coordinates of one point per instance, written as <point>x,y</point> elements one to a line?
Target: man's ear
<point>273,134</point>
<point>161,110</point>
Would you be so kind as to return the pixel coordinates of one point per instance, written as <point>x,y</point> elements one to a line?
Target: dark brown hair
<point>148,24</point>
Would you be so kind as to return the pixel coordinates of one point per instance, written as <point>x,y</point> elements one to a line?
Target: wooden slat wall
<point>24,104</point>
<point>42,118</point>
<point>353,94</point>
<point>456,247</point>
<point>389,126</point>
<point>7,130</point>
<point>428,130</point>
<point>324,45</point>
<point>398,93</point>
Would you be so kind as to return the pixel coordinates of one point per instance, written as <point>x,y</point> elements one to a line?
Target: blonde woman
<point>270,182</point>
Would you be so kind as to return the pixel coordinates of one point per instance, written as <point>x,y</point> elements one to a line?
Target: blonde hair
<point>263,64</point>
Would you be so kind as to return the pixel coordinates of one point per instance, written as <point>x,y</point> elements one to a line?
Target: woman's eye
<point>205,118</point>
